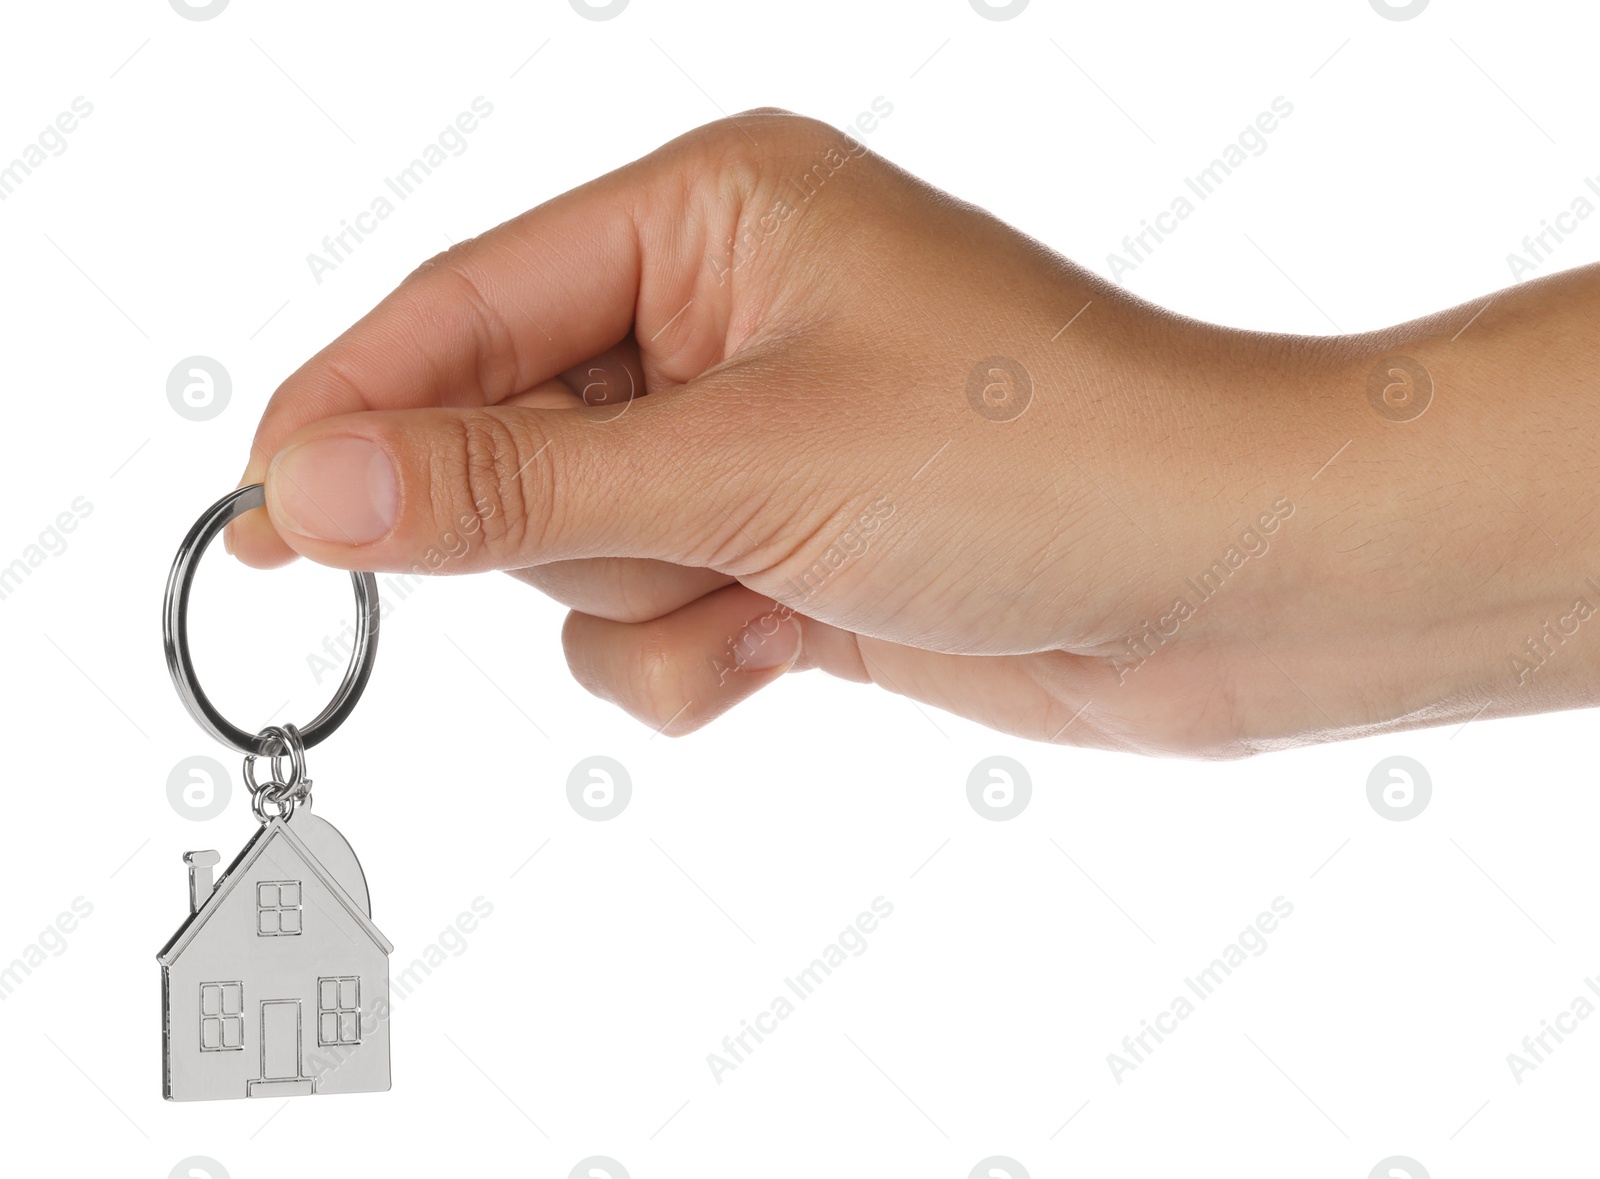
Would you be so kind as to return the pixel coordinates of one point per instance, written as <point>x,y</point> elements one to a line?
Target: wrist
<point>1374,532</point>
<point>1477,506</point>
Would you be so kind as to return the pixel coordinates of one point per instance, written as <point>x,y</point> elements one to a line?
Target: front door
<point>280,1040</point>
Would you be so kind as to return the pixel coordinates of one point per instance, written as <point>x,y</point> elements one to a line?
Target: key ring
<point>285,986</point>
<point>175,636</point>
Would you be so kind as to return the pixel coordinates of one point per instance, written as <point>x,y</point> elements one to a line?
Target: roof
<point>270,831</point>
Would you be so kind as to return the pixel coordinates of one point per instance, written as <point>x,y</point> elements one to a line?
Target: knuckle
<point>635,599</point>
<point>579,652</point>
<point>758,111</point>
<point>802,138</point>
<point>741,148</point>
<point>436,294</point>
<point>646,681</point>
<point>655,681</point>
<point>443,258</point>
<point>488,464</point>
<point>426,268</point>
<point>777,127</point>
<point>469,284</point>
<point>784,135</point>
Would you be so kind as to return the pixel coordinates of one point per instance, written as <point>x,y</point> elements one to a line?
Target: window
<point>278,908</point>
<point>338,1011</point>
<point>221,1016</point>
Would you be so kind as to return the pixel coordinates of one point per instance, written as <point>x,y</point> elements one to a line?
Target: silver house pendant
<point>277,982</point>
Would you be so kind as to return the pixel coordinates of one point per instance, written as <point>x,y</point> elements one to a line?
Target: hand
<point>762,402</point>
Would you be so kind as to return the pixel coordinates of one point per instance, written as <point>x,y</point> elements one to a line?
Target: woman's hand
<point>761,401</point>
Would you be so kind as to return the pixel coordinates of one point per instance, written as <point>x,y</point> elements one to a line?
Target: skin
<point>736,462</point>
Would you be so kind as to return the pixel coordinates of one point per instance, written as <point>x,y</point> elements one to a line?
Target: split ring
<point>175,635</point>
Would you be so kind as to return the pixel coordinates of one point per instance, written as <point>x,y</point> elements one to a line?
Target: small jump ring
<point>272,793</point>
<point>288,743</point>
<point>175,635</point>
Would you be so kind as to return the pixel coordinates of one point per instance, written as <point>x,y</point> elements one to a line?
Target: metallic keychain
<point>277,983</point>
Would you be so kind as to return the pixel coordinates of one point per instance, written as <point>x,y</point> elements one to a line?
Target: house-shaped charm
<point>278,983</point>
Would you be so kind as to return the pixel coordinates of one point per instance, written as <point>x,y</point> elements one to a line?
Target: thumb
<point>496,487</point>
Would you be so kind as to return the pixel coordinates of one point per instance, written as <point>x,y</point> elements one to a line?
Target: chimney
<point>200,865</point>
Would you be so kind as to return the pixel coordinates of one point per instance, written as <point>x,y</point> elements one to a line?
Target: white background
<point>578,1019</point>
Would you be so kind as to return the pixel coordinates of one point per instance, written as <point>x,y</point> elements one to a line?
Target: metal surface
<point>175,634</point>
<point>277,984</point>
<point>289,738</point>
<point>277,797</point>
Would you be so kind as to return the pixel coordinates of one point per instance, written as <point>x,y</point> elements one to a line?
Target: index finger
<point>498,314</point>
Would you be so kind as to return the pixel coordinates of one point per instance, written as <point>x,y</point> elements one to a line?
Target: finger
<point>1045,696</point>
<point>507,487</point>
<point>491,317</point>
<point>622,589</point>
<point>611,380</point>
<point>679,671</point>
<point>498,314</point>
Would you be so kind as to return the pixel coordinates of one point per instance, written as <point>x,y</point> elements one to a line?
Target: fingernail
<point>773,640</point>
<point>341,490</point>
